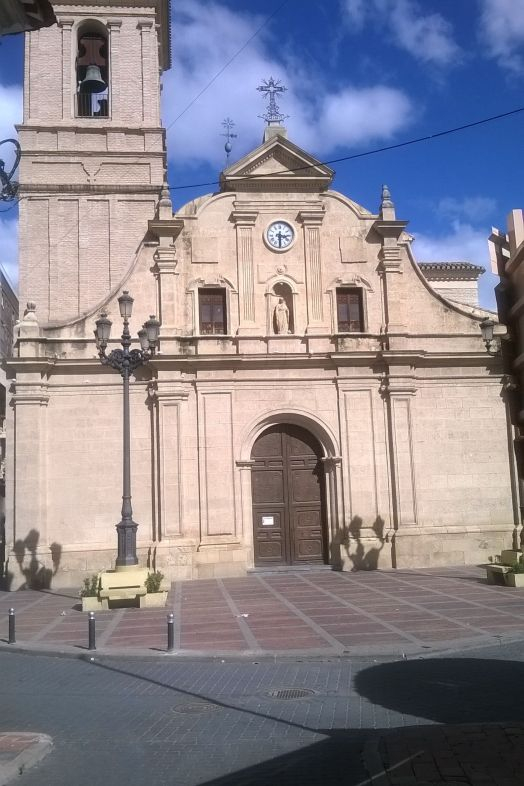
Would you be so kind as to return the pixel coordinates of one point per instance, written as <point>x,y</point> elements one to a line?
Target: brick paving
<point>311,612</point>
<point>365,721</point>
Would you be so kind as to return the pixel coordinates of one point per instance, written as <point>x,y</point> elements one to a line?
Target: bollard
<point>12,637</point>
<point>92,635</point>
<point>170,632</point>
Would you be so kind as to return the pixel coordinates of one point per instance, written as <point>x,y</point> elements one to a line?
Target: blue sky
<point>360,74</point>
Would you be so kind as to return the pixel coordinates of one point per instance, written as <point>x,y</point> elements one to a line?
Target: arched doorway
<point>288,495</point>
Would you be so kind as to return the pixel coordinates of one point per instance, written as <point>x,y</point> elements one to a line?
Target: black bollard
<point>170,632</point>
<point>92,635</point>
<point>12,637</point>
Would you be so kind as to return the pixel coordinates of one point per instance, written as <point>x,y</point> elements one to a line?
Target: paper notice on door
<point>268,521</point>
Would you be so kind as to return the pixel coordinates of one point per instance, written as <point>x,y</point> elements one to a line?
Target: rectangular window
<point>212,311</point>
<point>350,317</point>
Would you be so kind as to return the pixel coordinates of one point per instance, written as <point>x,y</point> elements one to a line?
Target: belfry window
<point>92,73</point>
<point>212,311</point>
<point>350,317</point>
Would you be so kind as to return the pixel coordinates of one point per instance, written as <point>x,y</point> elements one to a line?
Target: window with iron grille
<point>212,311</point>
<point>350,316</point>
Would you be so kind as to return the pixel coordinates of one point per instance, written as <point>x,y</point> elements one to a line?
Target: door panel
<point>288,497</point>
<point>268,486</point>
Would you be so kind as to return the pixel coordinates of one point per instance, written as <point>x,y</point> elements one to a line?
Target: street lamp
<point>8,187</point>
<point>125,361</point>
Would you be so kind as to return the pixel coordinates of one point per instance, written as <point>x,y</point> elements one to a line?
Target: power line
<point>221,70</point>
<point>367,152</point>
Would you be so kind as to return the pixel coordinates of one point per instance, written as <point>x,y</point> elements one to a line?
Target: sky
<point>360,75</point>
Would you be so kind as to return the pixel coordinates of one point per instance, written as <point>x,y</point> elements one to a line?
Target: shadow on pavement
<point>447,690</point>
<point>479,703</point>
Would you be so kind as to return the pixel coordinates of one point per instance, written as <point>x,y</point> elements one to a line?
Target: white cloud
<point>502,31</point>
<point>206,36</point>
<point>464,243</point>
<point>473,209</point>
<point>11,103</point>
<point>427,37</point>
<point>9,248</point>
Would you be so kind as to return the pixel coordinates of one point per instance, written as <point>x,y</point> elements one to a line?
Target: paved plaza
<point>386,678</point>
<point>313,613</point>
<point>438,720</point>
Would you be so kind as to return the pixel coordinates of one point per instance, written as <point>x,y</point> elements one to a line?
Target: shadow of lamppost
<point>126,361</point>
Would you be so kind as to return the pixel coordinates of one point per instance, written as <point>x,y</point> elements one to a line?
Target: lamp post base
<point>126,557</point>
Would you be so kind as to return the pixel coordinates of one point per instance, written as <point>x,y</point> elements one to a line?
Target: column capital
<point>244,218</point>
<point>145,24</point>
<point>65,22</point>
<point>311,217</point>
<point>390,229</point>
<point>114,25</point>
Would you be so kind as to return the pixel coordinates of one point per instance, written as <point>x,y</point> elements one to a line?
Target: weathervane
<point>270,88</point>
<point>228,147</point>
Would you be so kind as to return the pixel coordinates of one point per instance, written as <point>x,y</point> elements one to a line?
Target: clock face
<point>280,235</point>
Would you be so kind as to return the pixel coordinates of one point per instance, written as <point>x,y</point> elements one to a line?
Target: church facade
<point>314,400</point>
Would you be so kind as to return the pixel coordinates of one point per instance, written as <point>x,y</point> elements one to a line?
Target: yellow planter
<point>91,603</point>
<point>153,600</point>
<point>514,579</point>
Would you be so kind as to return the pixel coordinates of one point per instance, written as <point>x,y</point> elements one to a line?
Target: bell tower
<point>93,150</point>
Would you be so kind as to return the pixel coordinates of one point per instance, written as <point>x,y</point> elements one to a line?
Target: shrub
<point>91,587</point>
<point>153,581</point>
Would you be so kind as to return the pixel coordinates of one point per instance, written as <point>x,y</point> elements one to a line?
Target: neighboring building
<point>457,281</point>
<point>507,261</point>
<point>8,316</point>
<point>314,401</point>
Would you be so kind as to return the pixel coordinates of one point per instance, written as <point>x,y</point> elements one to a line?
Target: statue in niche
<point>281,316</point>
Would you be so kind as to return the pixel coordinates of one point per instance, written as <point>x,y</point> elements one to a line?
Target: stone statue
<point>281,317</point>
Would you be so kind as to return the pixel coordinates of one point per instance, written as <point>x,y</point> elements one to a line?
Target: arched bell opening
<point>92,71</point>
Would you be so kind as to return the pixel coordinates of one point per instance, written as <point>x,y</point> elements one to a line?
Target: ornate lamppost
<point>8,186</point>
<point>126,361</point>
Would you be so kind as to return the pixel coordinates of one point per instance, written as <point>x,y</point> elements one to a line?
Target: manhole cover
<point>290,693</point>
<point>195,707</point>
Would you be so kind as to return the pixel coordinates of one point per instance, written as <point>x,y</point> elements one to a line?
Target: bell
<point>93,82</point>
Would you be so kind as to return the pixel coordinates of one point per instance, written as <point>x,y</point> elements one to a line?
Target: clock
<point>279,236</point>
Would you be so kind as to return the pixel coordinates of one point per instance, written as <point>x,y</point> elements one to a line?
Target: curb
<point>408,652</point>
<point>27,758</point>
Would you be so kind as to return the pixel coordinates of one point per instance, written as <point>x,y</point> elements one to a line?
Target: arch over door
<point>288,491</point>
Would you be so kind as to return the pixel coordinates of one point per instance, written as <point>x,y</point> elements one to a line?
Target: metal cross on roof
<point>228,125</point>
<point>270,88</point>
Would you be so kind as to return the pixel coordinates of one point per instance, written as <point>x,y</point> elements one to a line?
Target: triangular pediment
<point>277,165</point>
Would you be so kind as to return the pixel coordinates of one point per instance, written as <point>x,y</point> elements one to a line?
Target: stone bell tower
<point>93,150</point>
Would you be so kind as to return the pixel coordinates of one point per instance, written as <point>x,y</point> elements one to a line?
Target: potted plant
<point>89,593</point>
<point>155,596</point>
<point>515,576</point>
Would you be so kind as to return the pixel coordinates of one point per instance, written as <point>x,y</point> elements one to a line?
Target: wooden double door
<point>288,491</point>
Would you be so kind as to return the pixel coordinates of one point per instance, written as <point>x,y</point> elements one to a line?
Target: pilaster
<point>146,28</point>
<point>115,107</point>
<point>66,26</point>
<point>399,390</point>
<point>167,406</point>
<point>244,222</point>
<point>311,222</point>
<point>167,229</point>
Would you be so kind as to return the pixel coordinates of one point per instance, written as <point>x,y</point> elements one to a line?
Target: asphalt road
<point>208,722</point>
